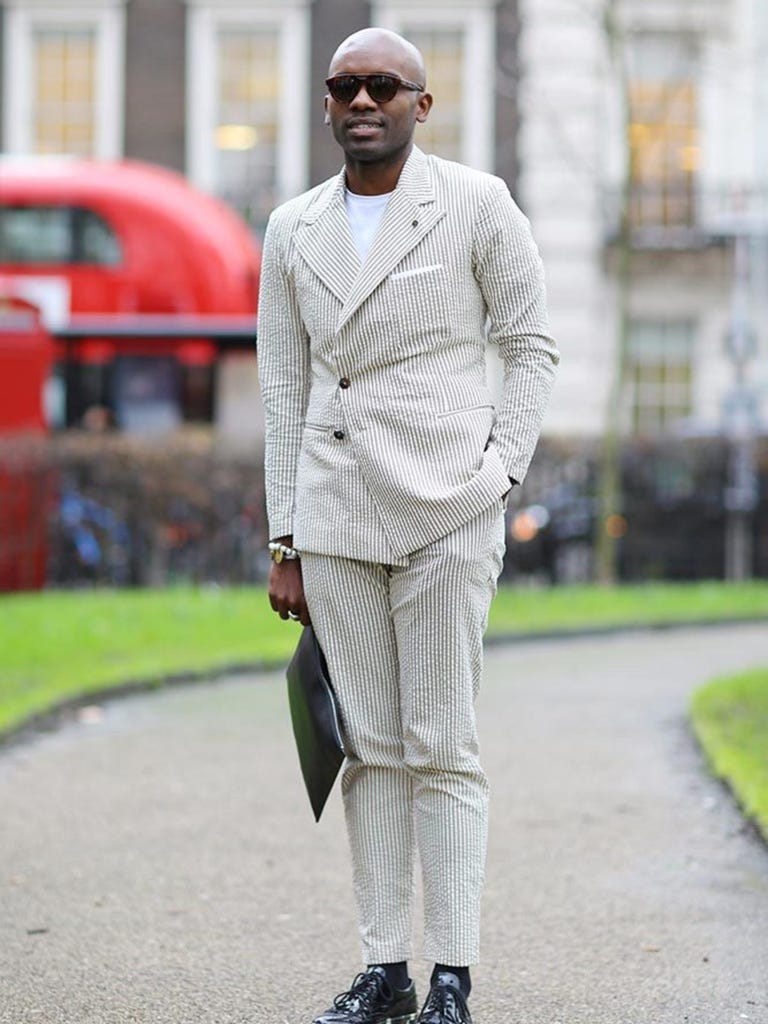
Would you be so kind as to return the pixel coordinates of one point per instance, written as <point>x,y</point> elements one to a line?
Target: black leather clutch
<point>316,720</point>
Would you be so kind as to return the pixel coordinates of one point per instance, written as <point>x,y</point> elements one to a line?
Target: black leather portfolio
<point>316,720</point>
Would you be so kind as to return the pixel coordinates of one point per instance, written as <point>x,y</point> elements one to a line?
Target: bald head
<point>373,119</point>
<point>384,51</point>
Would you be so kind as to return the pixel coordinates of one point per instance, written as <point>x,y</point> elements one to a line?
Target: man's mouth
<point>362,128</point>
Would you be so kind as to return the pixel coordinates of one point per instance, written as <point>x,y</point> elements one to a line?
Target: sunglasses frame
<point>364,80</point>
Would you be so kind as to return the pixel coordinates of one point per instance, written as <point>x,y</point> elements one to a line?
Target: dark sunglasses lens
<point>382,88</point>
<point>344,88</point>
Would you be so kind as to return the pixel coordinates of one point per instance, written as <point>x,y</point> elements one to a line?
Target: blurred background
<point>144,143</point>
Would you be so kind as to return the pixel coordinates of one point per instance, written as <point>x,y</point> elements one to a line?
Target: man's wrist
<point>281,552</point>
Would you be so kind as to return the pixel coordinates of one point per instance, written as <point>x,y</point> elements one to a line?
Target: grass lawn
<point>65,644</point>
<point>730,718</point>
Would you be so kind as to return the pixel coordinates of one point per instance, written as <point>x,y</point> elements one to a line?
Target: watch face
<point>277,556</point>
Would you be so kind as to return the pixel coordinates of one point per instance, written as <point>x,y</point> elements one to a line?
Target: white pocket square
<point>400,274</point>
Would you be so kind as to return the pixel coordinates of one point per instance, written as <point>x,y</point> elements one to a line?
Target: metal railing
<point>226,332</point>
<point>665,215</point>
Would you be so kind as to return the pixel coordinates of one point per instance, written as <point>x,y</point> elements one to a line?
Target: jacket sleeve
<point>509,271</point>
<point>284,377</point>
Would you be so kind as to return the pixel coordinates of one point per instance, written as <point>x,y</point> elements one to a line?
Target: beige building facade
<point>538,91</point>
<point>666,107</point>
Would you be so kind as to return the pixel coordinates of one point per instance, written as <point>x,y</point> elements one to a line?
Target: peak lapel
<point>411,213</point>
<point>325,242</point>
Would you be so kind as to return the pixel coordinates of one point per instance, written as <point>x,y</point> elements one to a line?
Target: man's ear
<point>327,115</point>
<point>423,107</point>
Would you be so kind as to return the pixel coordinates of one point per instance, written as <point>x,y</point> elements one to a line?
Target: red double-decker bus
<point>125,242</point>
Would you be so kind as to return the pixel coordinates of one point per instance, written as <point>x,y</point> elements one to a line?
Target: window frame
<point>668,139</point>
<point>291,18</point>
<point>106,18</point>
<point>660,411</point>
<point>478,23</point>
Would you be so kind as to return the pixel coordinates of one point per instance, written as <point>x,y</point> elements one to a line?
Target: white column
<point>202,75</point>
<point>562,171</point>
<point>110,84</point>
<point>295,61</point>
<point>17,82</point>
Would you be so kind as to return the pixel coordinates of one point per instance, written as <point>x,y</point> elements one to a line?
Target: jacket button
<point>339,435</point>
<point>344,382</point>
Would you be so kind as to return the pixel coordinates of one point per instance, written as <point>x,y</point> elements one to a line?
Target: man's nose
<point>362,100</point>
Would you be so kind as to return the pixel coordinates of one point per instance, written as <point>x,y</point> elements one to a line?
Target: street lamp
<point>741,421</point>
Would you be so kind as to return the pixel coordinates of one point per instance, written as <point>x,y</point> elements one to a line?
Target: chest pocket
<point>415,305</point>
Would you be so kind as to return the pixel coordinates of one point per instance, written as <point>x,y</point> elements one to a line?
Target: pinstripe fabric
<point>413,447</point>
<point>385,460</point>
<point>404,648</point>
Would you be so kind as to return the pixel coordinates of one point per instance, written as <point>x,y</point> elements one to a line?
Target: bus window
<point>94,240</point>
<point>35,234</point>
<point>56,234</point>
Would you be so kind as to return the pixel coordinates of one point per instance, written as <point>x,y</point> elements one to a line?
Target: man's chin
<point>363,151</point>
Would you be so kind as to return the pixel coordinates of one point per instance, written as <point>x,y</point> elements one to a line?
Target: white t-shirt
<point>365,213</point>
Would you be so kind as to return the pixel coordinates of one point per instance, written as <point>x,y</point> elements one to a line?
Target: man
<point>387,467</point>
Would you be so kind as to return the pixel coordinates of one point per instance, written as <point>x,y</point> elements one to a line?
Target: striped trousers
<point>404,650</point>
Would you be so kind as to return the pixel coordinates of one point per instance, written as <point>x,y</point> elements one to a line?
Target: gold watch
<point>282,553</point>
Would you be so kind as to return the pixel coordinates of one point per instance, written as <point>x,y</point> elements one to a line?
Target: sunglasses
<point>381,88</point>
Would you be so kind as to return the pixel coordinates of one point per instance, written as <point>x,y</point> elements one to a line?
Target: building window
<point>247,102</point>
<point>663,131</point>
<point>63,79</point>
<point>443,51</point>
<point>64,82</point>
<point>457,39</point>
<point>660,373</point>
<point>247,113</point>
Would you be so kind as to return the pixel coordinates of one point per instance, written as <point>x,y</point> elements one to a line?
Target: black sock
<point>397,974</point>
<point>462,973</point>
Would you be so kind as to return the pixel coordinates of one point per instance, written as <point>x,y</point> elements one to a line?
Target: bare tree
<point>609,474</point>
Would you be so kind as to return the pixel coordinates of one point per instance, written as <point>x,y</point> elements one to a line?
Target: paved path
<point>161,866</point>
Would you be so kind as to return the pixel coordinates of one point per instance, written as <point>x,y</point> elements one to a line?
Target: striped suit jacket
<point>381,435</point>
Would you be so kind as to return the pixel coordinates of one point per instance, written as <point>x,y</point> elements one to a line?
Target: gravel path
<point>159,864</point>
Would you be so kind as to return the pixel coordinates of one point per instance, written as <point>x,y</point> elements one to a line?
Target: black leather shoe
<point>445,1003</point>
<point>372,1000</point>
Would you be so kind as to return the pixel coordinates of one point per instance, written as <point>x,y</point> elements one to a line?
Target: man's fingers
<point>303,612</point>
<point>279,603</point>
<point>286,594</point>
<point>299,609</point>
<point>276,599</point>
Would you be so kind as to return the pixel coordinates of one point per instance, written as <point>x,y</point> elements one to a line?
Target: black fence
<point>125,511</point>
<point>673,520</point>
<point>81,509</point>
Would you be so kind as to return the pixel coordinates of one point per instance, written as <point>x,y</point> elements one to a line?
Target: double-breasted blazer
<point>381,435</point>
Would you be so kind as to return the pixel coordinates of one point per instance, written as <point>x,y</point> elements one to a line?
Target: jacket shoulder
<point>287,216</point>
<point>470,183</point>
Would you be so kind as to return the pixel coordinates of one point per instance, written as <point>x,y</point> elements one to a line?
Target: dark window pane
<point>35,234</point>
<point>95,241</point>
<point>56,235</point>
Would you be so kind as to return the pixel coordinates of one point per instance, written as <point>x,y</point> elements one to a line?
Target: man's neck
<point>375,179</point>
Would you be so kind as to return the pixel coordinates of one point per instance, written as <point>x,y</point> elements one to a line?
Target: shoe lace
<point>361,998</point>
<point>443,1007</point>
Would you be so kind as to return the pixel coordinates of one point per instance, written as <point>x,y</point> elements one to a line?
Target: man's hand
<point>286,591</point>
